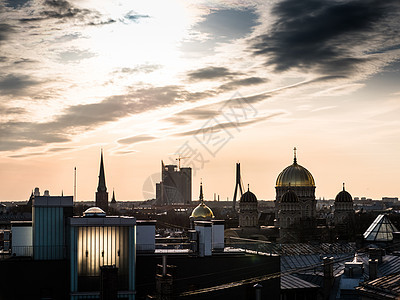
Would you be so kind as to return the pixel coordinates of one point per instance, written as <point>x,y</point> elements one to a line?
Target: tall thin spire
<point>201,191</point>
<point>294,155</point>
<point>102,179</point>
<point>343,186</point>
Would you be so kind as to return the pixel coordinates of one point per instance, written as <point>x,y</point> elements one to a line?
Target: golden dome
<point>202,210</point>
<point>295,175</point>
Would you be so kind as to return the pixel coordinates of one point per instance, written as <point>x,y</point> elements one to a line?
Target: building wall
<point>22,240</point>
<point>48,233</point>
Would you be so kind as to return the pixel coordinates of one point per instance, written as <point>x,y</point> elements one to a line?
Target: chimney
<point>373,269</point>
<point>328,276</point>
<point>376,253</point>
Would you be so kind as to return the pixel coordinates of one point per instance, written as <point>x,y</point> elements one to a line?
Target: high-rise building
<point>175,186</point>
<point>102,194</point>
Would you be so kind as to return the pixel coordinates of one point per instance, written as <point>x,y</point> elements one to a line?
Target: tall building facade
<point>175,186</point>
<point>102,194</point>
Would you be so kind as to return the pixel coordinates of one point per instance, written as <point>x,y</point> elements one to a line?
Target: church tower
<point>102,194</point>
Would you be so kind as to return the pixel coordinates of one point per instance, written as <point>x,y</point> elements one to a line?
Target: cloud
<point>11,110</point>
<point>220,26</point>
<point>208,73</point>
<point>145,68</point>
<point>64,11</point>
<point>74,55</point>
<point>242,82</point>
<point>5,30</point>
<point>323,35</point>
<point>83,117</point>
<point>135,17</point>
<point>225,126</point>
<point>136,139</point>
<point>16,84</point>
<point>209,111</point>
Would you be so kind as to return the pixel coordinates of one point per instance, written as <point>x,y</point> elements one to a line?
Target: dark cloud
<point>61,9</point>
<point>136,139</point>
<point>64,11</point>
<point>208,73</point>
<point>242,82</point>
<point>16,84</point>
<point>16,3</point>
<point>5,31</point>
<point>320,34</point>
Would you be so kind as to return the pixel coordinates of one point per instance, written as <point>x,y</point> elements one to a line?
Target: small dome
<point>289,197</point>
<point>94,212</point>
<point>248,197</point>
<point>295,175</point>
<point>202,211</point>
<point>343,196</point>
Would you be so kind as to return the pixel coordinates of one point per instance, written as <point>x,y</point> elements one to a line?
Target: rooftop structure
<point>381,230</point>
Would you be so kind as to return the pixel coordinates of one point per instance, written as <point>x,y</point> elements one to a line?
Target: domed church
<point>295,202</point>
<point>248,211</point>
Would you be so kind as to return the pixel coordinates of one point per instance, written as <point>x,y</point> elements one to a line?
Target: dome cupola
<point>295,175</point>
<point>343,196</point>
<point>94,212</point>
<point>248,197</point>
<point>202,211</point>
<point>289,197</point>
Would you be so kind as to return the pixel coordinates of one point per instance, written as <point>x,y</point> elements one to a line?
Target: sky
<point>215,82</point>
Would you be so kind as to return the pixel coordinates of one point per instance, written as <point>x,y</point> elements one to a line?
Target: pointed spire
<point>248,187</point>
<point>343,187</point>
<point>201,191</point>
<point>113,197</point>
<point>102,179</point>
<point>62,193</point>
<point>294,157</point>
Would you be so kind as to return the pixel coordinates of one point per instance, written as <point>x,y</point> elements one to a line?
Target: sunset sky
<point>218,82</point>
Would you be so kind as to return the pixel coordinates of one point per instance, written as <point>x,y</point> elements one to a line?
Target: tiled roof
<point>387,287</point>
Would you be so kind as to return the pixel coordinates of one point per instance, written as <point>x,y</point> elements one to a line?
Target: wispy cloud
<point>137,139</point>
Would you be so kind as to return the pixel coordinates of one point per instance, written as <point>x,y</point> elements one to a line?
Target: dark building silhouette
<point>102,194</point>
<point>175,186</point>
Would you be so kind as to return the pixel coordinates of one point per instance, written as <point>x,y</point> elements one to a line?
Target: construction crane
<point>179,160</point>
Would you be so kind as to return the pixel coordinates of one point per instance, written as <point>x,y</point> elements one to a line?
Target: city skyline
<point>218,82</point>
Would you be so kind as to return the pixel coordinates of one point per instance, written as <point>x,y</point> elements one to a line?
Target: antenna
<point>75,184</point>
